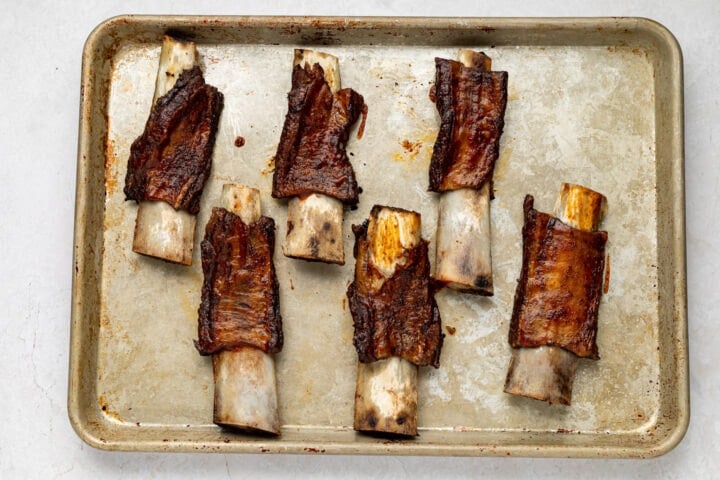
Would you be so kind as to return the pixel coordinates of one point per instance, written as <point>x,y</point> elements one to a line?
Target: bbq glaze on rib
<point>558,294</point>
<point>311,155</point>
<point>240,294</point>
<point>171,159</point>
<point>471,102</point>
<point>397,316</point>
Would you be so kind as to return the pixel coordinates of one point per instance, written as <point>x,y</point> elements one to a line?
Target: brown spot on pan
<point>361,128</point>
<point>111,175</point>
<point>269,167</point>
<point>606,283</point>
<point>105,408</point>
<point>410,151</point>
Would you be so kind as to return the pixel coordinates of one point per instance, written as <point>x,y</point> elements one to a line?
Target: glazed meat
<point>171,159</point>
<point>558,294</point>
<point>394,316</point>
<point>240,293</point>
<point>311,155</point>
<point>471,102</point>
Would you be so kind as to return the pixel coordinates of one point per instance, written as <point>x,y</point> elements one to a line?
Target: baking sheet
<point>590,101</point>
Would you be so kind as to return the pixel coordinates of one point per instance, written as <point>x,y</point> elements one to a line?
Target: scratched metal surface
<point>591,101</point>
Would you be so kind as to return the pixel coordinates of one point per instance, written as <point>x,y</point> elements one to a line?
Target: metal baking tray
<point>596,101</point>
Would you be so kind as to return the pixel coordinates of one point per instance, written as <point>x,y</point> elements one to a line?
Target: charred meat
<point>394,312</point>
<point>240,293</point>
<point>311,156</point>
<point>558,294</point>
<point>471,102</point>
<point>171,159</point>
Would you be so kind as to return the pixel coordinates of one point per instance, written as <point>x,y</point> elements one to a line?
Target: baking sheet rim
<point>75,410</point>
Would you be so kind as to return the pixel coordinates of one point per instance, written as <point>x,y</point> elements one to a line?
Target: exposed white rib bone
<point>463,256</point>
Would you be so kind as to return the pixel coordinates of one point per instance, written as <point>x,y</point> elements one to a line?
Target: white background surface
<point>39,97</point>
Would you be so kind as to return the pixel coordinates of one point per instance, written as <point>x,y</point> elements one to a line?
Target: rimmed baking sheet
<point>591,101</point>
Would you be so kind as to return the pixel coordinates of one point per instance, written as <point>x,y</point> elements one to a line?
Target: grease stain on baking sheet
<point>361,128</point>
<point>114,217</point>
<point>502,163</point>
<point>418,149</point>
<point>410,151</point>
<point>210,59</point>
<point>606,283</point>
<point>111,172</point>
<point>269,166</point>
<point>346,337</point>
<point>104,320</point>
<point>189,308</point>
<point>107,411</point>
<point>314,450</point>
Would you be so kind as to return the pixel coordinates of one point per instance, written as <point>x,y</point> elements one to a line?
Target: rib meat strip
<point>240,293</point>
<point>311,155</point>
<point>395,314</point>
<point>558,294</point>
<point>170,161</point>
<point>471,101</point>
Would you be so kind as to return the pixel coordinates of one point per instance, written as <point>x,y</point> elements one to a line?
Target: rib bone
<point>160,230</point>
<point>463,259</point>
<point>547,372</point>
<point>386,390</point>
<point>315,221</point>
<point>245,384</point>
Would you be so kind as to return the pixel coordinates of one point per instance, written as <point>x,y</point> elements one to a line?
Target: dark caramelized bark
<point>311,156</point>
<point>171,160</point>
<point>240,294</point>
<point>558,294</point>
<point>400,318</point>
<point>471,102</point>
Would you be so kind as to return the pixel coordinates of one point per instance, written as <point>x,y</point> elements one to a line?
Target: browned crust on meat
<point>240,294</point>
<point>401,318</point>
<point>170,161</point>
<point>311,155</point>
<point>471,102</point>
<point>558,294</point>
